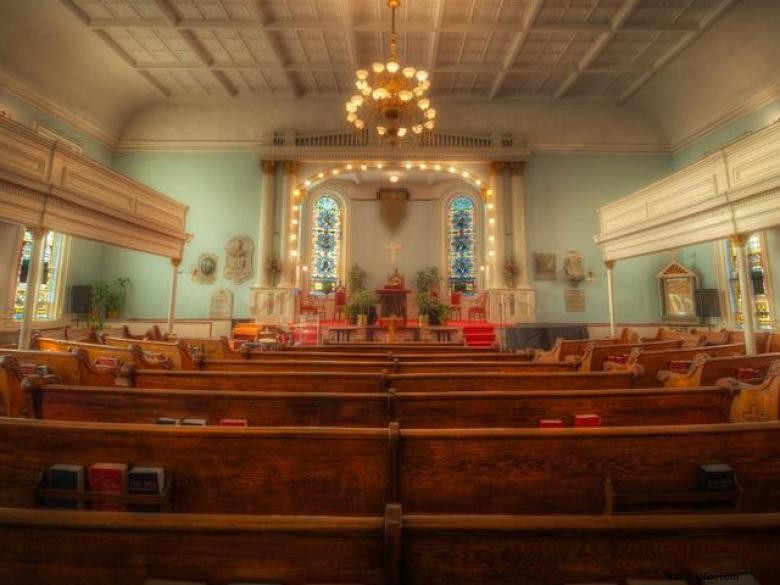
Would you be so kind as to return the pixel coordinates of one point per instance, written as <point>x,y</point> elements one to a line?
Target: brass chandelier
<point>394,101</point>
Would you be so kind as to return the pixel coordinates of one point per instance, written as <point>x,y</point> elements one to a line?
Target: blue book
<point>65,477</point>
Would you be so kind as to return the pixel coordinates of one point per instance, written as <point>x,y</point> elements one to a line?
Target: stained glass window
<point>326,242</point>
<point>462,236</point>
<point>757,273</point>
<point>46,306</point>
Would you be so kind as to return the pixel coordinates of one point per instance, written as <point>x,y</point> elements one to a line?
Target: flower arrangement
<point>511,270</point>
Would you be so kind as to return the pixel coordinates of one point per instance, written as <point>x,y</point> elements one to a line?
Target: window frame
<point>480,255</point>
<point>306,233</point>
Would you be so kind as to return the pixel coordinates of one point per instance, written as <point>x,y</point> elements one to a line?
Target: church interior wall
<point>223,192</point>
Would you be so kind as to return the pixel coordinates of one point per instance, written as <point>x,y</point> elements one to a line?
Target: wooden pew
<point>65,547</point>
<point>125,355</point>
<point>176,352</point>
<point>384,355</point>
<point>652,362</point>
<point>343,381</point>
<point>394,365</point>
<point>706,370</point>
<point>572,349</point>
<point>218,349</point>
<point>213,469</point>
<point>448,382</point>
<point>564,471</point>
<point>594,356</point>
<point>73,367</point>
<point>763,340</point>
<point>689,339</point>
<point>401,347</point>
<point>756,402</point>
<point>411,410</point>
<point>534,550</point>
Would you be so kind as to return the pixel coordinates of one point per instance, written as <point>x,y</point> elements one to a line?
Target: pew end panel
<point>755,402</point>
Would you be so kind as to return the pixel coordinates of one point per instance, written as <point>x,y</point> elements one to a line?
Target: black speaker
<point>707,302</point>
<point>78,301</point>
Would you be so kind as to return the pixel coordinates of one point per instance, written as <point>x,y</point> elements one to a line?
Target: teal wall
<point>25,113</point>
<point>223,193</point>
<point>562,192</point>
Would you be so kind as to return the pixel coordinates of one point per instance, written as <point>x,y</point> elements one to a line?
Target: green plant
<point>428,279</point>
<point>443,310</point>
<point>327,287</point>
<point>107,299</point>
<point>424,302</point>
<point>356,278</point>
<point>359,303</point>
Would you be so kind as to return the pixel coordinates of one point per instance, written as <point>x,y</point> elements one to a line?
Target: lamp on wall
<point>393,103</point>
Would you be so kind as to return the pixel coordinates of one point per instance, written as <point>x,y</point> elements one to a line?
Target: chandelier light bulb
<point>405,95</point>
<point>351,117</point>
<point>418,92</point>
<point>430,114</point>
<point>366,91</point>
<point>357,100</point>
<point>409,72</point>
<point>401,132</point>
<point>381,130</point>
<point>424,104</point>
<point>362,74</point>
<point>378,68</point>
<point>417,129</point>
<point>392,67</point>
<point>422,75</point>
<point>393,178</point>
<point>430,124</point>
<point>351,107</point>
<point>360,124</point>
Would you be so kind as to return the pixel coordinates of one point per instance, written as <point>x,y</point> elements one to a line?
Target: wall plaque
<point>221,304</point>
<point>238,259</point>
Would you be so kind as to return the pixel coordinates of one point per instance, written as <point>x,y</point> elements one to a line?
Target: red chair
<point>339,302</point>
<point>477,311</point>
<point>309,306</point>
<point>455,307</point>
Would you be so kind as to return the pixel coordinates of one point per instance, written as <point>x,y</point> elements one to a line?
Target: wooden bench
<point>688,339</point>
<point>384,355</point>
<point>649,363</point>
<point>652,406</point>
<point>572,349</point>
<point>531,550</point>
<point>706,370</point>
<point>449,381</point>
<point>376,550</point>
<point>393,365</point>
<point>214,469</point>
<point>594,356</point>
<point>563,471</point>
<point>125,355</point>
<point>65,547</point>
<point>342,381</point>
<point>176,352</point>
<point>218,349</point>
<point>756,402</point>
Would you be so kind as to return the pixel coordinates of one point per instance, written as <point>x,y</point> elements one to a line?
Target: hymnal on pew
<point>587,420</point>
<point>110,478</point>
<point>233,422</point>
<point>551,423</point>
<point>146,480</point>
<point>193,422</point>
<point>716,477</point>
<point>65,477</point>
<point>164,420</point>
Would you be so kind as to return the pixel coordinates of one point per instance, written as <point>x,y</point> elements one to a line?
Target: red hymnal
<point>551,423</point>
<point>110,478</point>
<point>680,367</point>
<point>587,420</point>
<point>617,359</point>
<point>233,422</point>
<point>108,361</point>
<point>747,374</point>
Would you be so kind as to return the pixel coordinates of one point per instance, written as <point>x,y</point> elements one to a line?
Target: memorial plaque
<point>221,304</point>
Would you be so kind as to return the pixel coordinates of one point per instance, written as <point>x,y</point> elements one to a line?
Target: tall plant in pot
<point>107,300</point>
<point>359,306</point>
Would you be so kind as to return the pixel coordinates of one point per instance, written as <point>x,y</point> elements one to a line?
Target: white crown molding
<point>23,91</point>
<point>254,146</point>
<point>752,103</point>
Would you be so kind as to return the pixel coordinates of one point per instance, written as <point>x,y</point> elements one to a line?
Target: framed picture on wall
<point>677,287</point>
<point>544,266</point>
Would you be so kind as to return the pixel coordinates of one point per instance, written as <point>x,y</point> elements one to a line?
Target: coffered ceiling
<point>594,50</point>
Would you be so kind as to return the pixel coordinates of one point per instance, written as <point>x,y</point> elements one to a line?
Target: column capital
<point>610,264</point>
<point>291,167</point>
<point>268,166</point>
<point>496,167</point>
<point>517,167</point>
<point>37,232</point>
<point>738,239</point>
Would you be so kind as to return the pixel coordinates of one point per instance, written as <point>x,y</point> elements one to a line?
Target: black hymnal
<point>65,477</point>
<point>164,420</point>
<point>716,477</point>
<point>146,480</point>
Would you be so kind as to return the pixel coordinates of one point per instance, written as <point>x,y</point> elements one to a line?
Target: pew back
<point>595,355</point>
<point>560,471</point>
<point>449,381</point>
<point>213,469</point>
<point>410,410</point>
<point>124,355</point>
<point>176,352</point>
<point>706,370</point>
<point>70,367</point>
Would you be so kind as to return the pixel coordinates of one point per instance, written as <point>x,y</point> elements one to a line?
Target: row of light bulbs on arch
<point>394,178</point>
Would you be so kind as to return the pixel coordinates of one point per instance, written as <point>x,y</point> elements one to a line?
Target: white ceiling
<point>540,49</point>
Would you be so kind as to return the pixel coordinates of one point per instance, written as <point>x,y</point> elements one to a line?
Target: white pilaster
<point>288,249</point>
<point>610,264</point>
<point>517,188</point>
<point>33,279</point>
<point>265,238</point>
<point>495,224</point>
<point>746,292</point>
<point>175,262</point>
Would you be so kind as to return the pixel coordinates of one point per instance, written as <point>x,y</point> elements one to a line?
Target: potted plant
<point>359,305</point>
<point>443,311</point>
<point>428,280</point>
<point>356,278</point>
<point>107,300</point>
<point>425,307</point>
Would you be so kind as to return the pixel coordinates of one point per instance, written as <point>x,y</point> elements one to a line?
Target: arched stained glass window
<point>462,243</point>
<point>326,242</point>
